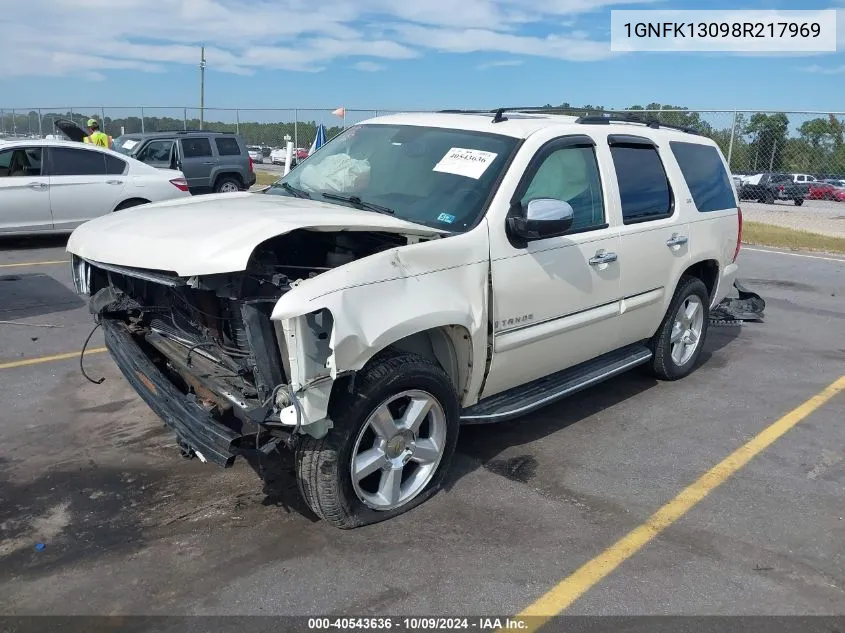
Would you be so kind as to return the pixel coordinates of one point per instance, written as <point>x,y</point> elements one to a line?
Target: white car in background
<point>50,186</point>
<point>255,153</point>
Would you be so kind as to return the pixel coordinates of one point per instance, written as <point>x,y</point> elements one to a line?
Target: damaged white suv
<point>418,272</point>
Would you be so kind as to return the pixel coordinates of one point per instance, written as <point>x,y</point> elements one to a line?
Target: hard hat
<point>92,122</point>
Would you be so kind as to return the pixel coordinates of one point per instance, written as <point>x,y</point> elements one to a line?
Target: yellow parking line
<point>22,264</point>
<point>562,595</point>
<point>49,359</point>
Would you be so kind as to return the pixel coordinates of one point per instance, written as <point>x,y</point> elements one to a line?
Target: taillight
<point>250,163</point>
<point>180,183</point>
<point>738,233</point>
<point>780,187</point>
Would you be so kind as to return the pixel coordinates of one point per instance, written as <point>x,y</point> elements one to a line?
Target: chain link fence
<point>809,143</point>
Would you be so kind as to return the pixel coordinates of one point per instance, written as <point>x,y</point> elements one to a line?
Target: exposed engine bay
<point>212,335</point>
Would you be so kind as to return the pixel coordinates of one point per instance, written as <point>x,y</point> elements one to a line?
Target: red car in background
<point>825,191</point>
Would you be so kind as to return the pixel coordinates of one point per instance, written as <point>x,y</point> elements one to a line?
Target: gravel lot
<point>816,216</point>
<point>131,528</point>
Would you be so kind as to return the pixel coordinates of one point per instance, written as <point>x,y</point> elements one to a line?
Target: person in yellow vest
<point>96,137</point>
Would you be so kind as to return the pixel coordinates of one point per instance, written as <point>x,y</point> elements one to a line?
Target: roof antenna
<point>500,116</point>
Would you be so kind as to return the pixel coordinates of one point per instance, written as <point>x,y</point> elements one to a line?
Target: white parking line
<point>761,250</point>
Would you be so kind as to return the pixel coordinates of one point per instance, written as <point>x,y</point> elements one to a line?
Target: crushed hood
<point>211,234</point>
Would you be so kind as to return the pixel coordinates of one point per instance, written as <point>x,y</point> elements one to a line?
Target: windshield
<point>126,144</point>
<point>433,176</point>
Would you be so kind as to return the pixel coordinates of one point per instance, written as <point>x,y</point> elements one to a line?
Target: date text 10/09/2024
<point>418,624</point>
<point>761,30</point>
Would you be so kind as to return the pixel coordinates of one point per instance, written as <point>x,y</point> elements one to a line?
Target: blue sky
<point>385,54</point>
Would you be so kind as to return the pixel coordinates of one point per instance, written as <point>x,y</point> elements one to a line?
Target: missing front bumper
<point>194,426</point>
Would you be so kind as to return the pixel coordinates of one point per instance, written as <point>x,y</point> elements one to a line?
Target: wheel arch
<point>707,270</point>
<point>227,174</point>
<point>135,200</point>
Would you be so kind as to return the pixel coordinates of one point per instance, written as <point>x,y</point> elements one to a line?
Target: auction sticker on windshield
<point>471,163</point>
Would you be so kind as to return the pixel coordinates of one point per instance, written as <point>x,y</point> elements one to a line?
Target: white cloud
<point>89,38</point>
<point>501,64</point>
<point>369,67</point>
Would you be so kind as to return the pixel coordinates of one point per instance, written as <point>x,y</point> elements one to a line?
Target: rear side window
<point>65,161</point>
<point>196,147</point>
<point>643,185</point>
<point>114,165</point>
<point>227,147</point>
<point>705,174</point>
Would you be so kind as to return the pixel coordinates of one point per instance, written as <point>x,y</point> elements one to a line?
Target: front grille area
<point>236,335</point>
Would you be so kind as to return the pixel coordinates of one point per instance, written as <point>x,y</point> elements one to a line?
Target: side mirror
<point>543,217</point>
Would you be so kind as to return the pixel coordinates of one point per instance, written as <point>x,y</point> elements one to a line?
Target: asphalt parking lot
<point>129,527</point>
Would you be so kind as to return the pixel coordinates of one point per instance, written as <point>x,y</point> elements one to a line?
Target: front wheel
<point>678,343</point>
<point>391,445</point>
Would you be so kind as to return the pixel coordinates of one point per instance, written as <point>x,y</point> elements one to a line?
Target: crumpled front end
<point>202,352</point>
<point>208,354</point>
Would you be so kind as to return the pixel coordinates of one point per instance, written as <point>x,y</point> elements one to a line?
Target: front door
<point>555,301</point>
<point>83,184</point>
<point>157,153</point>
<point>24,191</point>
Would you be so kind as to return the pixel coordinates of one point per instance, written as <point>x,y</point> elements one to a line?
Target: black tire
<point>323,466</point>
<point>134,202</point>
<point>799,202</point>
<point>769,198</point>
<point>662,364</point>
<point>224,182</point>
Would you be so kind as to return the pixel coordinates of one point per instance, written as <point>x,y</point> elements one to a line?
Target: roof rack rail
<point>197,131</point>
<point>602,119</point>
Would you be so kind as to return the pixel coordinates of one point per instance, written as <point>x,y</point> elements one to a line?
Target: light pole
<point>202,85</point>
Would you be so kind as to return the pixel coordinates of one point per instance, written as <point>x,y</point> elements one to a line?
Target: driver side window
<point>571,174</point>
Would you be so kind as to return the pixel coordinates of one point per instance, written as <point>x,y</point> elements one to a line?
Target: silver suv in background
<point>216,162</point>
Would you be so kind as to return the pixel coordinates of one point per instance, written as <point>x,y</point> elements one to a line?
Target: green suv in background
<point>211,161</point>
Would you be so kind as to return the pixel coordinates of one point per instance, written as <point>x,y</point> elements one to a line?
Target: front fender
<point>376,301</point>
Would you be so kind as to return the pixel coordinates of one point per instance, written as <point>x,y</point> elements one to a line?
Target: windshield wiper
<point>355,200</point>
<point>297,193</point>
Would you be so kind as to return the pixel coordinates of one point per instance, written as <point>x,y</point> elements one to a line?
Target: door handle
<point>37,185</point>
<point>602,257</point>
<point>677,240</point>
<point>114,182</point>
<point>208,163</point>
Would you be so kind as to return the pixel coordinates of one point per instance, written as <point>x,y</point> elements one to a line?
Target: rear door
<point>198,161</point>
<point>84,184</point>
<point>24,191</point>
<point>654,239</point>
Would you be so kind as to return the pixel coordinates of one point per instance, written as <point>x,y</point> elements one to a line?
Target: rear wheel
<point>227,184</point>
<point>799,202</point>
<point>678,343</point>
<point>769,197</point>
<point>391,445</point>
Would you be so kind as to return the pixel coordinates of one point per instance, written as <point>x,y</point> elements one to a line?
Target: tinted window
<point>705,174</point>
<point>643,185</point>
<point>77,162</point>
<point>227,147</point>
<point>571,174</point>
<point>196,147</point>
<point>21,162</point>
<point>114,165</point>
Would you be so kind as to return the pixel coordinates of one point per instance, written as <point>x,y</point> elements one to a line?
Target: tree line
<point>761,141</point>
